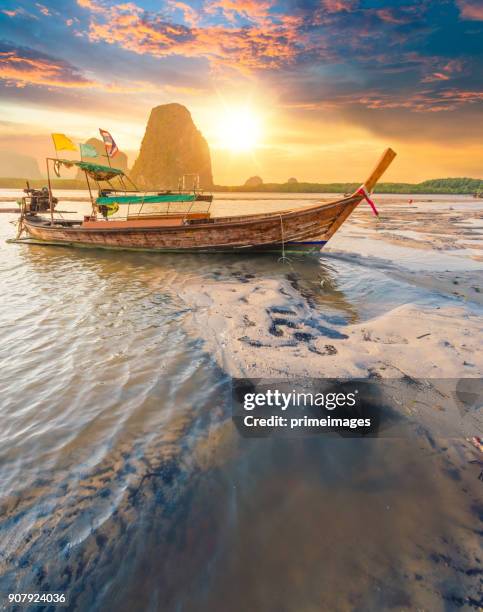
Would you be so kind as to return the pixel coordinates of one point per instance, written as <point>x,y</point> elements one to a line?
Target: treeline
<point>453,185</point>
<point>448,185</point>
<point>16,183</point>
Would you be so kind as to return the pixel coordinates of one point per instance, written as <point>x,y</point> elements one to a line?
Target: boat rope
<point>284,258</point>
<point>21,221</point>
<point>20,226</point>
<point>367,197</point>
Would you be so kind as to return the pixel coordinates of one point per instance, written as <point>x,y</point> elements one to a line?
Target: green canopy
<point>160,198</point>
<point>95,171</point>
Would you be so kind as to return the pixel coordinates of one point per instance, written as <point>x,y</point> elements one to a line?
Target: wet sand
<point>283,326</point>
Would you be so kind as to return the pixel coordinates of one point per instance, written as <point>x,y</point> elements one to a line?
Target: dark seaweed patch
<point>459,602</point>
<point>477,510</point>
<point>439,558</point>
<point>327,331</point>
<point>452,473</point>
<point>255,343</point>
<point>328,349</point>
<point>281,310</point>
<point>303,336</point>
<point>274,330</point>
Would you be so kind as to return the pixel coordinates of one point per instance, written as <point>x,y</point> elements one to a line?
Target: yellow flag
<point>62,143</point>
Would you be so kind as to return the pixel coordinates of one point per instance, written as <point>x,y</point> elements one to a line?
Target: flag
<point>62,143</point>
<point>111,146</point>
<point>87,150</point>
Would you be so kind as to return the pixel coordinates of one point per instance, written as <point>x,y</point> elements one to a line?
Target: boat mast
<point>90,191</point>
<point>107,154</point>
<point>51,202</point>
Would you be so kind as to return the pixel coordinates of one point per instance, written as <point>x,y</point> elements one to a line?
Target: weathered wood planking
<point>218,233</point>
<point>314,224</point>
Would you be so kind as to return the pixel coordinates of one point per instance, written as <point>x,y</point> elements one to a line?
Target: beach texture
<point>283,325</point>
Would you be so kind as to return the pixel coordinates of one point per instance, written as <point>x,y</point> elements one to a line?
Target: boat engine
<point>39,199</point>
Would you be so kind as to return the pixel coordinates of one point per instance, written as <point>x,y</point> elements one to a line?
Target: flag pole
<point>55,148</point>
<point>105,147</point>
<point>51,201</point>
<point>107,154</point>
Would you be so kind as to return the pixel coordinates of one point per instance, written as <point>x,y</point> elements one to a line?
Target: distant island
<point>460,186</point>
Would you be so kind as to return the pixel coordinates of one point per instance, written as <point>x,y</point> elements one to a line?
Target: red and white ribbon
<point>367,196</point>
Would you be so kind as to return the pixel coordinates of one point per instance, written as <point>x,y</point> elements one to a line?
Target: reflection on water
<point>124,485</point>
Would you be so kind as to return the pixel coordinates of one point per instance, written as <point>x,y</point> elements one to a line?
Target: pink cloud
<point>266,44</point>
<point>256,11</point>
<point>441,70</point>
<point>337,6</point>
<point>43,9</point>
<point>190,16</point>
<point>20,69</point>
<point>471,9</point>
<point>23,67</point>
<point>423,101</point>
<point>391,15</point>
<point>91,5</point>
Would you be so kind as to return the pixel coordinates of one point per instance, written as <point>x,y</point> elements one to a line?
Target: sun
<point>239,129</point>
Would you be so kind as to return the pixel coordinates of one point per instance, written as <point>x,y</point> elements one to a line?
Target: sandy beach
<point>275,327</point>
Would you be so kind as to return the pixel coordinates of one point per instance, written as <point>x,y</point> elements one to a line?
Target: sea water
<point>125,486</point>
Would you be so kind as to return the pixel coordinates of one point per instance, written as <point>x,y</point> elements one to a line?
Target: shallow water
<point>124,485</point>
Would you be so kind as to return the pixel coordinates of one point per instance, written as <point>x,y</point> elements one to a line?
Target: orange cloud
<point>254,10</point>
<point>20,68</point>
<point>190,16</point>
<point>92,5</point>
<point>424,101</point>
<point>337,6</point>
<point>444,72</point>
<point>18,12</point>
<point>23,67</point>
<point>43,9</point>
<point>390,15</point>
<point>471,9</point>
<point>268,45</point>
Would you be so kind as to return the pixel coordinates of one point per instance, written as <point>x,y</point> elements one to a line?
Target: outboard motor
<point>39,199</point>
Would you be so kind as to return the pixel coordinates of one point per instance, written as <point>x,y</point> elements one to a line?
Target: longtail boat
<point>181,221</point>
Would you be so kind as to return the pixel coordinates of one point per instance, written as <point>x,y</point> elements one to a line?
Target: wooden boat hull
<point>306,229</point>
<point>303,230</point>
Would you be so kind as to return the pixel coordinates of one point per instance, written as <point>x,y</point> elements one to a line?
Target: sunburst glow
<point>239,129</point>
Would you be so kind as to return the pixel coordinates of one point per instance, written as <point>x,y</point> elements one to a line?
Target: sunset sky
<point>310,89</point>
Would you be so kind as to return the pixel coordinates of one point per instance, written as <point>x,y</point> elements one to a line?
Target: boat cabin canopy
<point>95,171</point>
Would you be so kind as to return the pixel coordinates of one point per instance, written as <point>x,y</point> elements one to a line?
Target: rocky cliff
<point>172,146</point>
<point>118,161</point>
